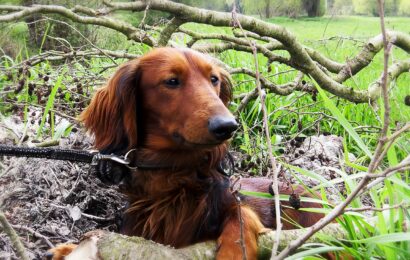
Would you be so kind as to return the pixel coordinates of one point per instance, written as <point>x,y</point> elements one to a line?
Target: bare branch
<point>15,240</point>
<point>35,233</point>
<point>393,73</point>
<point>337,211</point>
<point>300,59</point>
<point>366,55</point>
<point>128,30</point>
<point>308,61</point>
<point>262,96</point>
<point>61,55</point>
<point>167,32</point>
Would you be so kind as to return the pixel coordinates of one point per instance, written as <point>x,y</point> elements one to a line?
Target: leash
<point>72,155</point>
<point>93,157</point>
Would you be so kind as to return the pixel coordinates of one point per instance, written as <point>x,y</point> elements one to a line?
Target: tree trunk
<point>267,8</point>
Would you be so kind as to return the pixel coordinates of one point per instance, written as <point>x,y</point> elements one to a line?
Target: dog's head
<point>167,99</point>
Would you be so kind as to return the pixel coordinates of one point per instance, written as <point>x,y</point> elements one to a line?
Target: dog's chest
<point>184,212</point>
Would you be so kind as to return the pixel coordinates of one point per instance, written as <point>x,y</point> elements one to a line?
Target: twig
<point>404,205</point>
<point>84,214</point>
<point>338,210</point>
<point>402,166</point>
<point>242,238</point>
<point>15,240</point>
<point>73,119</point>
<point>142,23</point>
<point>301,58</point>
<point>96,217</point>
<point>262,96</point>
<point>35,233</point>
<point>234,189</point>
<point>85,38</point>
<point>390,141</point>
<point>398,132</point>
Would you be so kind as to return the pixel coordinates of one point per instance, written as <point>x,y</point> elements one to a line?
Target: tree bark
<point>116,246</point>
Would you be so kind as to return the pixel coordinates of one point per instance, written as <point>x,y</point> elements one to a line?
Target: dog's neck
<point>179,158</point>
<point>175,170</point>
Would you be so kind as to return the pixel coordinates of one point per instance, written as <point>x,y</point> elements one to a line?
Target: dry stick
<point>121,26</point>
<point>275,187</point>
<point>60,55</point>
<point>15,240</point>
<point>385,93</point>
<point>82,36</point>
<point>386,175</point>
<point>35,233</point>
<point>262,96</point>
<point>400,205</point>
<point>242,238</point>
<point>339,209</point>
<point>234,189</point>
<point>396,134</point>
<point>142,23</point>
<point>391,140</point>
<point>402,166</point>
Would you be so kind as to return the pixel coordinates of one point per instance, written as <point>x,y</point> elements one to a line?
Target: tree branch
<point>308,61</point>
<point>128,30</point>
<point>167,32</point>
<point>15,240</point>
<point>115,246</point>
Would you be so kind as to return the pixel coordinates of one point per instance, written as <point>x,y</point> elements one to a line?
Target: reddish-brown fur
<point>190,201</point>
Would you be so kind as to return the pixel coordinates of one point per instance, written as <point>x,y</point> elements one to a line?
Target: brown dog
<point>171,105</point>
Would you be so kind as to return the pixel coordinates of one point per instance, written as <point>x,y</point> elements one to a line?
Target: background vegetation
<point>336,28</point>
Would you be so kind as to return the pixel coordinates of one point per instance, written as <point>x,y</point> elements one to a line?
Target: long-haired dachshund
<point>171,106</point>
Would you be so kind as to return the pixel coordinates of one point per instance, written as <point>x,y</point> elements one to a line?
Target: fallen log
<point>101,244</point>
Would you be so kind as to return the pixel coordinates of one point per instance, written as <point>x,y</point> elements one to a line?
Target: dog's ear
<point>112,113</point>
<point>226,87</point>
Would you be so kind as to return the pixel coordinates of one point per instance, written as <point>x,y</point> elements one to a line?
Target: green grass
<point>386,237</point>
<point>310,31</point>
<point>303,111</point>
<point>358,27</point>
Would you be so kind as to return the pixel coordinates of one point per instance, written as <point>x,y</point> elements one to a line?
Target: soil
<point>49,201</point>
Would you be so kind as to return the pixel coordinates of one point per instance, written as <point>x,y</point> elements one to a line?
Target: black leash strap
<point>48,153</point>
<point>65,155</point>
<point>225,167</point>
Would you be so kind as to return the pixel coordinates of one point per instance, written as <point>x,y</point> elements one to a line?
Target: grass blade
<point>343,121</point>
<point>49,105</point>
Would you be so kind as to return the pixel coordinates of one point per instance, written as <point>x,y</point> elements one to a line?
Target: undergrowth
<point>64,89</point>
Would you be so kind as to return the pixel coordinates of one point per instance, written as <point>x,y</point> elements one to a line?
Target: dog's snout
<point>222,127</point>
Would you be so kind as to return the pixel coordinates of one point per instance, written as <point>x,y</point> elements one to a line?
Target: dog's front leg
<point>231,243</point>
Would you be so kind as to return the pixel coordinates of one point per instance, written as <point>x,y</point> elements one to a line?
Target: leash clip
<point>124,160</point>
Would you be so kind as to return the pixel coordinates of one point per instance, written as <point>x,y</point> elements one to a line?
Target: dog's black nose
<point>222,127</point>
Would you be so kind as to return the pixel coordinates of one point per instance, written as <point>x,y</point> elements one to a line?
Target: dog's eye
<point>214,80</point>
<point>172,82</point>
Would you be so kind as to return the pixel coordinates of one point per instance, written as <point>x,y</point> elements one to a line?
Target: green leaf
<point>343,121</point>
<point>61,129</point>
<point>315,251</point>
<point>49,105</point>
<point>256,194</point>
<point>383,239</point>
